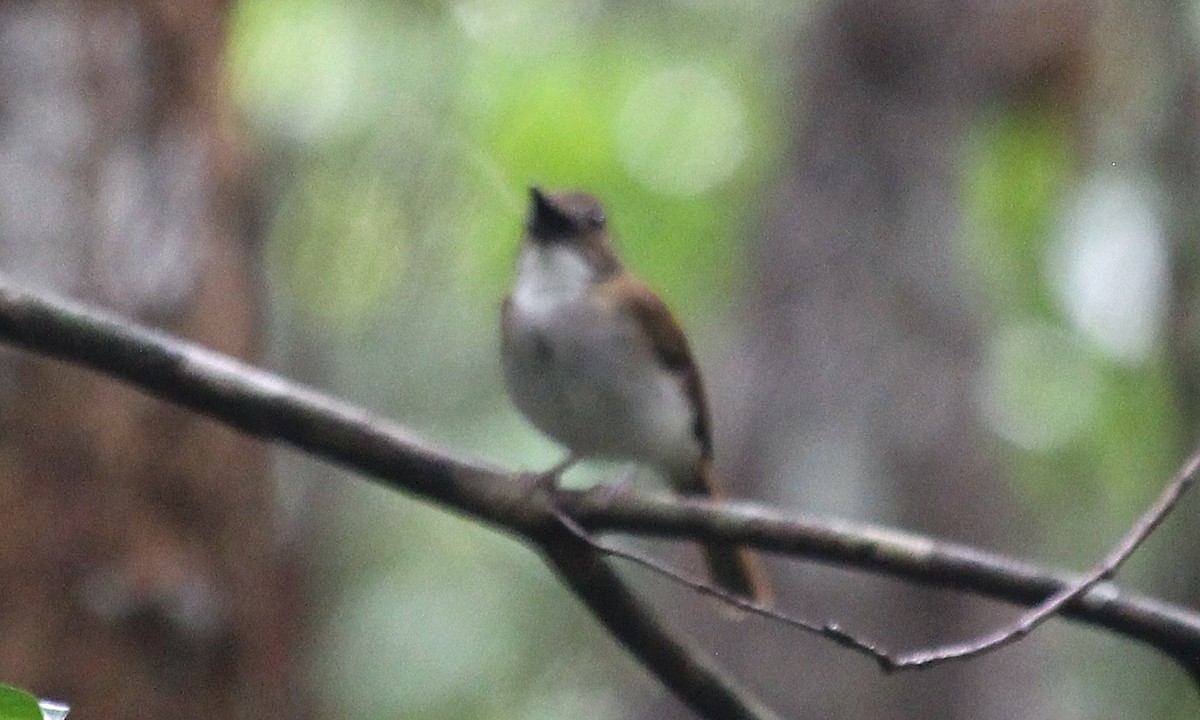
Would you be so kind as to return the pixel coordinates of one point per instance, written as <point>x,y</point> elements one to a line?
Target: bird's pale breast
<point>584,375</point>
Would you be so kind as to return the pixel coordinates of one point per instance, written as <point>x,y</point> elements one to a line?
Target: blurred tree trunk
<point>864,345</point>
<point>138,552</point>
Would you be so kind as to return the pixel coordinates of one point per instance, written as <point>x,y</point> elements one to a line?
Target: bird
<point>595,360</point>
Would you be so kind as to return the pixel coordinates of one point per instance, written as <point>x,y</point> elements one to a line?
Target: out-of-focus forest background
<point>938,262</point>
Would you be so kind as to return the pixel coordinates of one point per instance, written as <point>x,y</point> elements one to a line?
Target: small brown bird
<point>594,359</point>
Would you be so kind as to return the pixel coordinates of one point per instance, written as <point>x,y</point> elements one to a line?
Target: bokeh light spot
<point>1110,267</point>
<point>1041,388</point>
<point>682,131</point>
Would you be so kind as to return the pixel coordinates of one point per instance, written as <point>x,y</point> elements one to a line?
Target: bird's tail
<point>734,569</point>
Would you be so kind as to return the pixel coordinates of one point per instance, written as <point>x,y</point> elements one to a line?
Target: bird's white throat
<point>550,274</point>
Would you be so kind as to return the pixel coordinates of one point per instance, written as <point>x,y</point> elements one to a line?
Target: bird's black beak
<point>546,220</point>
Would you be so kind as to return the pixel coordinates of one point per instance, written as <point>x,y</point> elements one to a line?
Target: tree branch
<point>270,407</point>
<point>267,406</point>
<point>1104,570</point>
<point>1170,629</point>
<point>691,676</point>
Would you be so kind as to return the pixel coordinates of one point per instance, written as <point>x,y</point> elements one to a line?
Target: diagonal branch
<point>829,630</point>
<point>270,407</point>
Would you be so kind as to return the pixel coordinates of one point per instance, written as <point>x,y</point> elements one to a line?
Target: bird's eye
<point>595,219</point>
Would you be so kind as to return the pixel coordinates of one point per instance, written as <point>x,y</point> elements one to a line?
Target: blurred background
<point>937,260</point>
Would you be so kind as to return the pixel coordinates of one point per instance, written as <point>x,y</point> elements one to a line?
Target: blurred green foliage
<point>1018,172</point>
<point>415,130</point>
<point>1089,431</point>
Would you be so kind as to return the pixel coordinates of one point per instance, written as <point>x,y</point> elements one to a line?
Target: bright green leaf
<point>16,704</point>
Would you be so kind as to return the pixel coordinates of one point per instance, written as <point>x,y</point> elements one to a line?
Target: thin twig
<point>829,630</point>
<point>1104,570</point>
<point>1170,629</point>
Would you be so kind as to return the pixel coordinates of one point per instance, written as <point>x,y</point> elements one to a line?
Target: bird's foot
<point>547,480</point>
<point>541,481</point>
<point>606,493</point>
